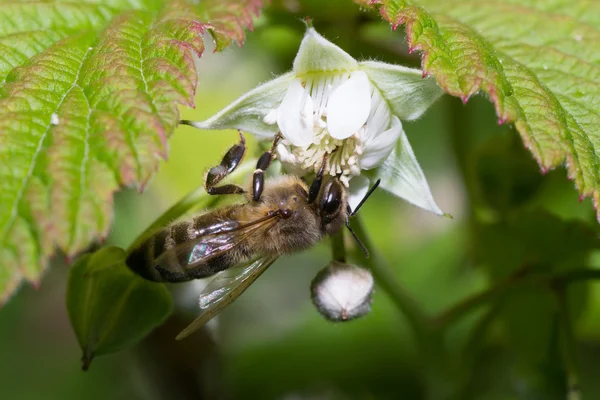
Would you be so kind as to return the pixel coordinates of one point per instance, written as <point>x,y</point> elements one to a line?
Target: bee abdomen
<point>143,259</point>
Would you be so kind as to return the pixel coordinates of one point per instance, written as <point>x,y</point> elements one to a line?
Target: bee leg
<point>230,161</point>
<point>258,179</point>
<point>315,186</point>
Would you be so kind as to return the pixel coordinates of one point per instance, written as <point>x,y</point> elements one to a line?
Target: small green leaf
<point>539,62</point>
<point>89,94</point>
<point>109,306</point>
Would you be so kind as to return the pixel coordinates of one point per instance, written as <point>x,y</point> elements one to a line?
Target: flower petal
<point>405,89</point>
<point>402,176</point>
<point>317,54</point>
<point>379,148</point>
<point>295,115</point>
<point>359,186</point>
<point>349,106</point>
<point>379,118</point>
<point>247,112</point>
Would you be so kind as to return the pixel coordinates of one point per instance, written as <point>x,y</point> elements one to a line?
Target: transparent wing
<point>194,253</point>
<point>224,289</point>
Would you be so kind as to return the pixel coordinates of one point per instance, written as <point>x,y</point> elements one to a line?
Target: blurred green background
<point>272,343</point>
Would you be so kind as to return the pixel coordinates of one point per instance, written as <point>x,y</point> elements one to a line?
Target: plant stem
<point>197,197</point>
<point>338,248</point>
<point>467,305</point>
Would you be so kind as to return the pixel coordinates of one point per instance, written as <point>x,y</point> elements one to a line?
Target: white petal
<point>271,117</point>
<point>248,112</point>
<point>317,54</point>
<point>402,176</point>
<point>379,118</point>
<point>295,115</point>
<point>405,89</point>
<point>349,106</point>
<point>359,186</point>
<point>379,148</point>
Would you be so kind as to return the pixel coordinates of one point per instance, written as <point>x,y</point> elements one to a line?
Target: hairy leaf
<point>538,61</point>
<point>109,306</point>
<point>88,97</point>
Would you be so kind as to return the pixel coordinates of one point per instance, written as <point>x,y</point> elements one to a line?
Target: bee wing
<point>224,289</point>
<point>188,255</point>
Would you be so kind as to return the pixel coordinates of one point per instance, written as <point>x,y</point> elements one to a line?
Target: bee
<point>239,242</point>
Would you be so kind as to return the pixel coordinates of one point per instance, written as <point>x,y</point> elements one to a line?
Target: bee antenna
<point>352,213</point>
<point>369,193</point>
<point>360,244</point>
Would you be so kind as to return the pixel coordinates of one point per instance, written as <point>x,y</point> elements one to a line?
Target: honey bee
<point>239,242</point>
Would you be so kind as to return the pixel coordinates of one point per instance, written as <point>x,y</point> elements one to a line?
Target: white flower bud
<point>342,292</point>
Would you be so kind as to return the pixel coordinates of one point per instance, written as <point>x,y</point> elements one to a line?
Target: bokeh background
<point>272,343</point>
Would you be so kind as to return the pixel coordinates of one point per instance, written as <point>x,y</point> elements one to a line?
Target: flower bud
<point>342,292</point>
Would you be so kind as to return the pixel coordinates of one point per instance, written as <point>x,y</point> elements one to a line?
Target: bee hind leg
<point>258,179</point>
<point>228,164</point>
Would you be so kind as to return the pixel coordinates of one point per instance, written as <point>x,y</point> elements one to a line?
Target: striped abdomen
<point>171,254</point>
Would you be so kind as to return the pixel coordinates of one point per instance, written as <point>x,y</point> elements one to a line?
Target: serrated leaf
<point>538,60</point>
<point>109,306</point>
<point>88,97</point>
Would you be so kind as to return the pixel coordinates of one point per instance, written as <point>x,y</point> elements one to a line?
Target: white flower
<point>330,104</point>
<point>342,292</point>
<point>340,115</point>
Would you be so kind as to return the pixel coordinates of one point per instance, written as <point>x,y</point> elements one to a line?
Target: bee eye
<point>332,199</point>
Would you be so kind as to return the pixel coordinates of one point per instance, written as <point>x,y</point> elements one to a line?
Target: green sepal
<point>317,54</point>
<point>402,176</point>
<point>407,92</point>
<point>247,112</point>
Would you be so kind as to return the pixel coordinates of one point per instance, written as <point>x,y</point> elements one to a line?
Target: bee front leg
<point>315,186</point>
<point>230,161</point>
<point>258,179</point>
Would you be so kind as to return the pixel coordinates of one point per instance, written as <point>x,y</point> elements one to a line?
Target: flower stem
<point>197,198</point>
<point>338,248</point>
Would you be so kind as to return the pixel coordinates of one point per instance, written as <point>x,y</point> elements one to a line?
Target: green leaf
<point>109,306</point>
<point>538,61</point>
<point>89,94</point>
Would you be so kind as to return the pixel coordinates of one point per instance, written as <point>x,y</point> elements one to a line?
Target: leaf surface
<point>89,94</point>
<point>109,306</point>
<point>537,60</point>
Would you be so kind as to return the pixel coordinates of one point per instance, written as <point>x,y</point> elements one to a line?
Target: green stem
<point>197,198</point>
<point>467,305</point>
<point>386,279</point>
<point>568,342</point>
<point>338,248</point>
